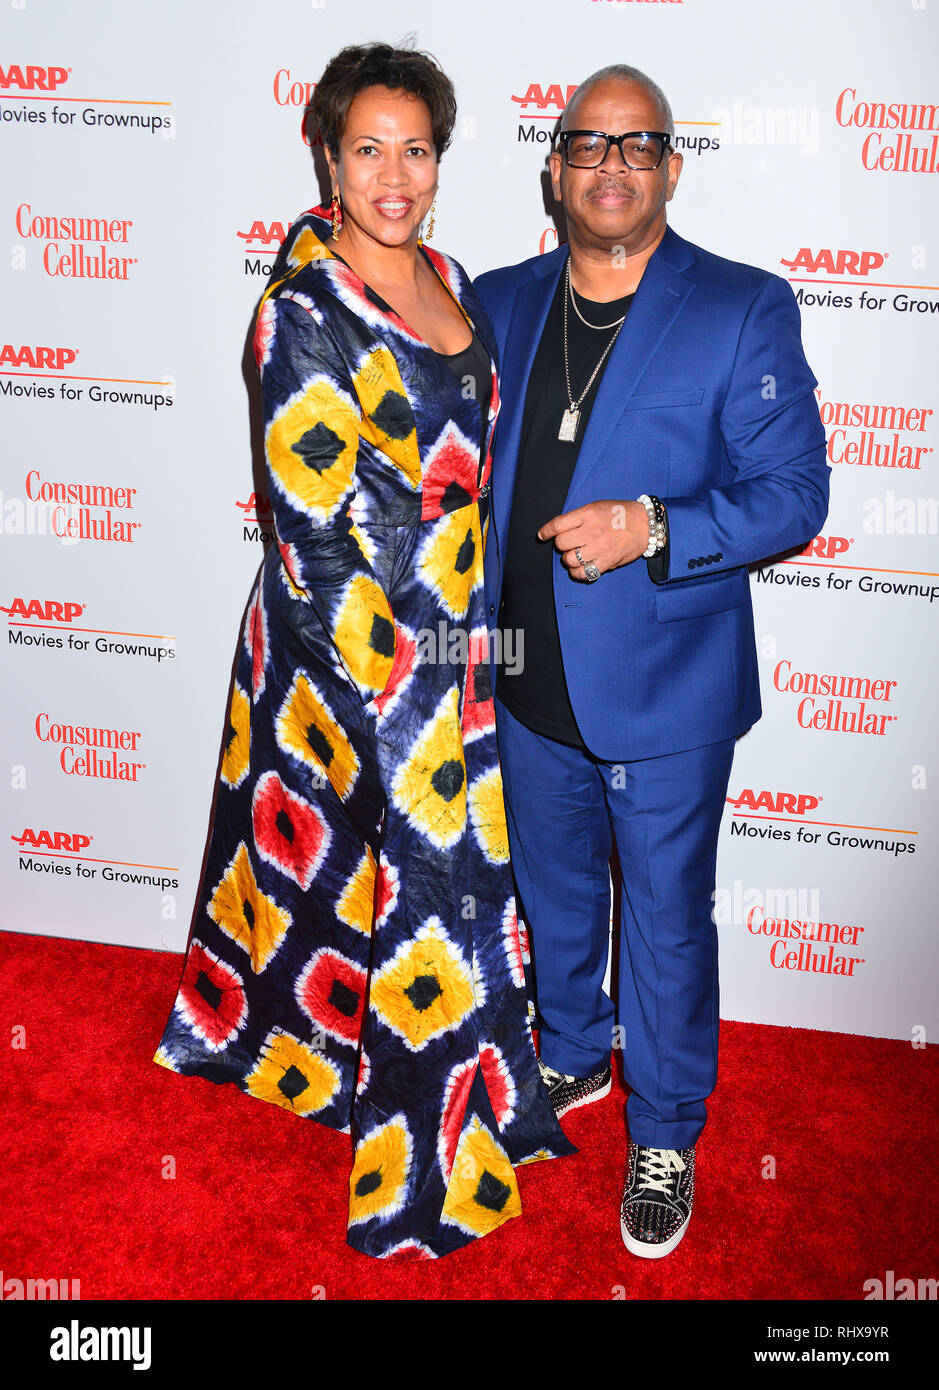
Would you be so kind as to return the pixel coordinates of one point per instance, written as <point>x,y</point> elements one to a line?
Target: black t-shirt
<point>536,691</point>
<point>473,366</point>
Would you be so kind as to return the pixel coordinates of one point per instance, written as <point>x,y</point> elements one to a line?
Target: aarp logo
<point>857,263</point>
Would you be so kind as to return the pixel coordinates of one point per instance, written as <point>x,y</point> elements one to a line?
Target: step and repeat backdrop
<point>153,158</point>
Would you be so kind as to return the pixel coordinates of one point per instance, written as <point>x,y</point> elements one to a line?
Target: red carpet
<point>256,1209</point>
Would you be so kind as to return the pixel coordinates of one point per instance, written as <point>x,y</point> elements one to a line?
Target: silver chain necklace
<point>571,418</point>
<point>597,327</point>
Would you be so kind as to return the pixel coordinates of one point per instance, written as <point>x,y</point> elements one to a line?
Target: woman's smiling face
<point>386,173</point>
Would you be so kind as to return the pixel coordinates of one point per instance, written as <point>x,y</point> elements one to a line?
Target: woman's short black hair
<point>379,65</point>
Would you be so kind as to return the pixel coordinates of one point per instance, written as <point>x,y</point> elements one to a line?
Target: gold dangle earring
<point>336,208</point>
<point>430,226</point>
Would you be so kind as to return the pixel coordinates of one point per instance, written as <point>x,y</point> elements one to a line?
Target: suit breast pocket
<point>666,400</point>
<point>696,598</point>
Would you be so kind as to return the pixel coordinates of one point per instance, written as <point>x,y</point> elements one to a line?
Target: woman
<point>356,954</point>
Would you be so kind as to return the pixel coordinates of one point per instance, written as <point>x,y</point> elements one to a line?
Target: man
<point>658,433</point>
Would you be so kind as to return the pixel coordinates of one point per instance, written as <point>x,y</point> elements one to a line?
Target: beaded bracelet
<point>656,514</point>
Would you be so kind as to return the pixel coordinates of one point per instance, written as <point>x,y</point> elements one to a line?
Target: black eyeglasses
<point>640,149</point>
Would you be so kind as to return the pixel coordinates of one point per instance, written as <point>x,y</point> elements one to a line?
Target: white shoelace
<point>551,1076</point>
<point>656,1166</point>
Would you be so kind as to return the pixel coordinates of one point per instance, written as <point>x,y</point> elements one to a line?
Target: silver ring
<point>589,568</point>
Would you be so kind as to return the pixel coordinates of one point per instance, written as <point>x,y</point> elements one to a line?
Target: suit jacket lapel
<point>659,299</point>
<point>526,325</point>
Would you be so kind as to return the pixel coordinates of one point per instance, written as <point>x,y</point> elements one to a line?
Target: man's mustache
<point>623,189</point>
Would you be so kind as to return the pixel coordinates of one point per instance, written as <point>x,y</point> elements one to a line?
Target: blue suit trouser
<point>566,812</point>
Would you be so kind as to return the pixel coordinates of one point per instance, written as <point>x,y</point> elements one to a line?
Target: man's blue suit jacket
<point>707,402</point>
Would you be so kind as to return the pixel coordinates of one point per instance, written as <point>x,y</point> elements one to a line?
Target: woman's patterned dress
<point>356,955</point>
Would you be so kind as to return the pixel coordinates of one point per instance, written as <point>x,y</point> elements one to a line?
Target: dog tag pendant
<point>569,422</point>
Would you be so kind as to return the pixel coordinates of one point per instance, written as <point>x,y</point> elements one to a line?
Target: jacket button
<point>492,610</point>
<point>718,556</point>
<point>692,564</point>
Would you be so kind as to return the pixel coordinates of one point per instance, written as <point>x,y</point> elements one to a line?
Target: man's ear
<point>554,167</point>
<point>675,162</point>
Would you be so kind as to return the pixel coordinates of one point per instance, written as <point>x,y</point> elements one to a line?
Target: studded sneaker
<point>570,1092</point>
<point>657,1200</point>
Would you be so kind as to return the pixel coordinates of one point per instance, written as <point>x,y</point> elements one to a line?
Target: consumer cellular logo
<point>78,247</point>
<point>903,137</point>
<point>871,435</point>
<point>809,947</point>
<point>85,511</point>
<point>295,92</point>
<point>86,751</point>
<point>290,90</point>
<point>841,704</point>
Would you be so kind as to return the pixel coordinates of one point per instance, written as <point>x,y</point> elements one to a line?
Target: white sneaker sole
<point>586,1100</point>
<point>647,1251</point>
